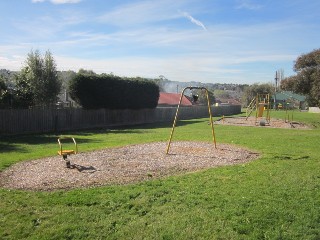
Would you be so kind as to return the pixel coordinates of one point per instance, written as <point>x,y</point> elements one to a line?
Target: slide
<point>261,109</point>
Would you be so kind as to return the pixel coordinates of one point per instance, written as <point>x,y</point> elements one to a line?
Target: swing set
<point>195,98</point>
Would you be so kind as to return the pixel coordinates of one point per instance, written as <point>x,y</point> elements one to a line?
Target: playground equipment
<point>287,117</point>
<point>261,103</point>
<point>195,98</point>
<point>289,108</point>
<point>66,153</point>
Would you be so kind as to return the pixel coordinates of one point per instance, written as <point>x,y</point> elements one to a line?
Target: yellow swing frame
<point>177,112</point>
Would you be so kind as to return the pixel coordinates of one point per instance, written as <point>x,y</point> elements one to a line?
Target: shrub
<point>113,92</point>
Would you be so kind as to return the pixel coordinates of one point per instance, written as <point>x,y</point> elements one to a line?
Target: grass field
<point>274,197</point>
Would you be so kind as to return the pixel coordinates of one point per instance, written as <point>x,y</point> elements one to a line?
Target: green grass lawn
<point>274,197</point>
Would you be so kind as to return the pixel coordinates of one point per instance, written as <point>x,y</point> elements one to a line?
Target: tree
<point>4,94</point>
<point>40,79</point>
<point>65,77</point>
<point>86,72</point>
<point>252,91</point>
<point>288,84</point>
<point>3,87</point>
<point>51,82</point>
<point>202,97</point>
<point>113,92</point>
<point>307,80</point>
<point>23,96</point>
<point>221,94</point>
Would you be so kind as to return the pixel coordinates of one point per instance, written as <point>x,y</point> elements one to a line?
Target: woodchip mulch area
<point>252,121</point>
<point>131,164</point>
<point>123,165</point>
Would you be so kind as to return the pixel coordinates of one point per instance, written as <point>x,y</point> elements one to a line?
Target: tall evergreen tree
<point>40,74</point>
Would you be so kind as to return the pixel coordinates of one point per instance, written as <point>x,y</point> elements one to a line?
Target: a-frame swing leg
<point>175,121</point>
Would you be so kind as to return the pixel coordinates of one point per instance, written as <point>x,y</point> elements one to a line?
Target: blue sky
<point>211,41</point>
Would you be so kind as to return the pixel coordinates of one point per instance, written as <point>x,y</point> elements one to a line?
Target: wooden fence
<point>57,120</point>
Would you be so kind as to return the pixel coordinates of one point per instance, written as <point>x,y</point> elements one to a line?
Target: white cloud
<point>195,21</point>
<point>213,66</point>
<point>13,63</point>
<point>190,67</point>
<point>247,4</point>
<point>57,1</point>
<point>138,48</point>
<point>64,1</point>
<point>175,68</point>
<point>144,12</point>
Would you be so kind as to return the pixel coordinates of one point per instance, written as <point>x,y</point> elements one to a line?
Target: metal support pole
<point>175,121</point>
<point>210,117</point>
<point>257,108</point>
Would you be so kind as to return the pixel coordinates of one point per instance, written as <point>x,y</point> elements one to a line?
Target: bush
<point>113,92</point>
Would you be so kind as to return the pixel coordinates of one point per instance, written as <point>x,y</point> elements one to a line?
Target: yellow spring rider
<point>64,153</point>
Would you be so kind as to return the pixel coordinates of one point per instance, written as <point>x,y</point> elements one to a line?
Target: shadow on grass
<point>286,157</point>
<point>11,143</point>
<point>15,143</point>
<point>36,139</point>
<point>179,123</point>
<point>132,129</point>
<point>8,147</point>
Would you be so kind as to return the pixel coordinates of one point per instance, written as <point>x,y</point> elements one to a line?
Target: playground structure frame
<point>177,112</point>
<point>260,103</point>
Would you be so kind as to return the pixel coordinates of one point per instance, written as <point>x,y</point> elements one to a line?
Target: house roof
<point>173,99</point>
<point>280,96</point>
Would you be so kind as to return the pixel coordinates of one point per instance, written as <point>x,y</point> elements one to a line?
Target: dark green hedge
<point>113,92</point>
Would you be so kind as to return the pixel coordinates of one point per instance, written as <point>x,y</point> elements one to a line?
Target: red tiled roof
<point>173,99</point>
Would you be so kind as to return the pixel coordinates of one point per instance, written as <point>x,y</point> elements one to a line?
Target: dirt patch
<point>122,165</point>
<point>252,121</point>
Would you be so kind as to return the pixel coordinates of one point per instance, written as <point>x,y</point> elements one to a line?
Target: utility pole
<point>275,91</point>
<point>276,79</point>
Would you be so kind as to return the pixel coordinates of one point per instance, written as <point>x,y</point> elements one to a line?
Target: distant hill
<point>176,87</point>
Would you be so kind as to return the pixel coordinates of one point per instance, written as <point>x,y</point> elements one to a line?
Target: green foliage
<point>307,80</point>
<point>4,94</point>
<point>23,95</point>
<point>51,82</point>
<point>289,84</point>
<point>86,72</point>
<point>274,197</point>
<point>65,77</point>
<point>251,91</point>
<point>113,92</point>
<point>38,82</point>
<point>18,97</point>
<point>221,94</point>
<point>202,96</point>
<point>2,84</point>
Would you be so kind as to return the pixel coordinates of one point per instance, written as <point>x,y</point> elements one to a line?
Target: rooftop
<point>173,99</point>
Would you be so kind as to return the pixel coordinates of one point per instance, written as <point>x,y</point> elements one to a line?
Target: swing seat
<point>65,153</point>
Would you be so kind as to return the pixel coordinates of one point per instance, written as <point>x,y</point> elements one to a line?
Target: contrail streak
<point>195,21</point>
